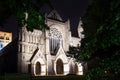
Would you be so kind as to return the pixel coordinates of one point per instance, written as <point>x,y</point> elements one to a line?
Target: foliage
<point>96,14</point>
<point>103,16</point>
<point>20,8</point>
<point>74,51</point>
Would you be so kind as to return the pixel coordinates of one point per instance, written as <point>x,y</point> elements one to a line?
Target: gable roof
<point>54,15</point>
<point>60,51</point>
<point>62,55</point>
<point>35,52</point>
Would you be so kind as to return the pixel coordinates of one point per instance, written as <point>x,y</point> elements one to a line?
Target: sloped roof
<point>34,53</point>
<point>11,47</point>
<point>54,15</point>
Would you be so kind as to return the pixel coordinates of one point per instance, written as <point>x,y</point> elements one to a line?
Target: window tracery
<point>55,39</point>
<point>54,33</point>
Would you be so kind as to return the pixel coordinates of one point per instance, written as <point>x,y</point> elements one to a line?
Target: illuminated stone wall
<point>5,38</point>
<point>44,52</point>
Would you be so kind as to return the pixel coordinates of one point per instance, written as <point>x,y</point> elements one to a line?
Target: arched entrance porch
<point>38,68</point>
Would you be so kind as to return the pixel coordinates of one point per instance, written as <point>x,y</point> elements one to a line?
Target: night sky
<point>68,9</point>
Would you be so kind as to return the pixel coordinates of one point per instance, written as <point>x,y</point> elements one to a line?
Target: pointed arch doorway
<point>59,67</point>
<point>38,68</point>
<point>76,68</point>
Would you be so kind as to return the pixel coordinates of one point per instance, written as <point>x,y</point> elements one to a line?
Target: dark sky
<point>71,9</point>
<point>68,9</point>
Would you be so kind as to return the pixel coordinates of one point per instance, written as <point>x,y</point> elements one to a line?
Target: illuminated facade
<point>5,38</point>
<point>44,52</point>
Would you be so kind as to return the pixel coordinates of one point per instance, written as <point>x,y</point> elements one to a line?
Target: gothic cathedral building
<point>44,52</point>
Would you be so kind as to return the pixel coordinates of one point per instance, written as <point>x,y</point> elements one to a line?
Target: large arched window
<point>55,38</point>
<point>38,68</point>
<point>59,66</point>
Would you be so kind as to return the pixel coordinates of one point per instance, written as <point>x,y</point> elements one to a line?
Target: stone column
<point>49,70</point>
<point>22,48</point>
<point>22,36</point>
<point>36,39</point>
<point>27,37</point>
<point>30,39</point>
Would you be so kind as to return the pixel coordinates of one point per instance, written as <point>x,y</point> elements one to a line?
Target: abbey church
<point>44,52</point>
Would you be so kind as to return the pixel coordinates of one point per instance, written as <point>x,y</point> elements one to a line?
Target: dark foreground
<point>30,77</point>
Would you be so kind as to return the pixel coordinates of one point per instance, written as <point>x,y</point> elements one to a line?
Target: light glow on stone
<point>66,69</point>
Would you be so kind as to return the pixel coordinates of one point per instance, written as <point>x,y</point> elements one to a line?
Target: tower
<point>27,45</point>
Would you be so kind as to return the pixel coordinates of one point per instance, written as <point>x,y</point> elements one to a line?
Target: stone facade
<point>44,52</point>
